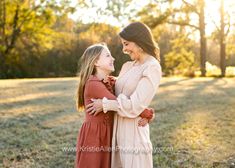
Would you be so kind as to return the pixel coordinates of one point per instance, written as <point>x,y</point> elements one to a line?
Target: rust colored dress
<point>95,136</point>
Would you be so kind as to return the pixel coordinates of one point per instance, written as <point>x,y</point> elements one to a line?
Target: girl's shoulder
<point>93,78</point>
<point>92,82</point>
<point>96,82</point>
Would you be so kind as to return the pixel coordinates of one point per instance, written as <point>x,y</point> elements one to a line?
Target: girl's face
<point>105,61</point>
<point>131,49</point>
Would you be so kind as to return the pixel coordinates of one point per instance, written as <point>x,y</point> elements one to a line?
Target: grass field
<point>194,125</point>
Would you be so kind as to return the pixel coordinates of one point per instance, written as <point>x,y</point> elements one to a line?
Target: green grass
<point>194,125</point>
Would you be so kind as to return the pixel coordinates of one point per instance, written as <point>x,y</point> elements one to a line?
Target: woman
<point>94,140</point>
<point>135,89</point>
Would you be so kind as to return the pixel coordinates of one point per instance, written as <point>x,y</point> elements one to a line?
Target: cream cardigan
<point>135,89</point>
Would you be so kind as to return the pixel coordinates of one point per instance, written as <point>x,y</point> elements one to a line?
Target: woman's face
<point>105,61</point>
<point>131,49</point>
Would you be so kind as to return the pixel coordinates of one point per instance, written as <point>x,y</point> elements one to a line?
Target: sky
<point>88,15</point>
<point>212,13</point>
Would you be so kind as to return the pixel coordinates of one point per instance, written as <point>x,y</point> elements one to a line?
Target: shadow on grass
<point>29,140</point>
<point>36,137</point>
<point>175,82</point>
<point>175,111</point>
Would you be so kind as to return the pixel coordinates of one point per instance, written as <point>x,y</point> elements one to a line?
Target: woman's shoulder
<point>125,67</point>
<point>152,70</point>
<point>153,62</point>
<point>127,64</point>
<point>152,67</point>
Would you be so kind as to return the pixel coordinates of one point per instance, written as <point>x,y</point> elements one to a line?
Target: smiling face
<point>131,49</point>
<point>105,61</point>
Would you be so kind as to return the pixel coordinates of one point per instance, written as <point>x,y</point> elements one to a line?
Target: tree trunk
<point>15,31</point>
<point>7,42</point>
<point>2,21</point>
<point>202,38</point>
<point>222,41</point>
<point>3,67</point>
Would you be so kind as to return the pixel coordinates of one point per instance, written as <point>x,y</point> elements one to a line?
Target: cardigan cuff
<point>109,105</point>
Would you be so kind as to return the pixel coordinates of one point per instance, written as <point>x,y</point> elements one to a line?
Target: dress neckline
<point>139,65</point>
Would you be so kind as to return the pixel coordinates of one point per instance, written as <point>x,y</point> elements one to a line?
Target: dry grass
<point>194,127</point>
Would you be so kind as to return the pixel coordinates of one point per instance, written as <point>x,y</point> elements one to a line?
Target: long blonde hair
<point>87,62</point>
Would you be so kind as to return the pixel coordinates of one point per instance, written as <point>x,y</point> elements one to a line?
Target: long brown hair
<point>141,34</point>
<point>87,62</point>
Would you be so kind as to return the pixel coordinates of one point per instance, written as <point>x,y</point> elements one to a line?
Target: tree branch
<point>217,27</point>
<point>182,24</point>
<point>193,7</point>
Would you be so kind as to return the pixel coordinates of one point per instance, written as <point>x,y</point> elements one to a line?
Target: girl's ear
<point>96,63</point>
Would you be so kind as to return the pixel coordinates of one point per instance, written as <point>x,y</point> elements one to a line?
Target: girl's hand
<point>151,120</point>
<point>94,108</point>
<point>143,122</point>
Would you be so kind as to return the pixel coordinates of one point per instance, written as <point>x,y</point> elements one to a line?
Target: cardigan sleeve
<point>140,99</point>
<point>98,90</point>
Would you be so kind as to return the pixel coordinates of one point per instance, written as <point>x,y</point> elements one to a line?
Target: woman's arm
<point>132,106</point>
<point>99,90</point>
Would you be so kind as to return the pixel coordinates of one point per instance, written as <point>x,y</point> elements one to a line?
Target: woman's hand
<point>94,108</point>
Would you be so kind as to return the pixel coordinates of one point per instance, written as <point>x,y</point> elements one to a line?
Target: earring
<point>141,49</point>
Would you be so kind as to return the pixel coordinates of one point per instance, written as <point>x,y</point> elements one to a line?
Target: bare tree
<point>199,9</point>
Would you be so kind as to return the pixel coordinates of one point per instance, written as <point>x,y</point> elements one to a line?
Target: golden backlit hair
<point>87,63</point>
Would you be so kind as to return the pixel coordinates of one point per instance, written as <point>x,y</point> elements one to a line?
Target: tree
<point>222,40</point>
<point>223,36</point>
<point>180,59</point>
<point>169,16</point>
<point>25,19</point>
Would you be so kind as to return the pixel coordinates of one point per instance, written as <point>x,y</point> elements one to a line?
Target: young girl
<point>94,140</point>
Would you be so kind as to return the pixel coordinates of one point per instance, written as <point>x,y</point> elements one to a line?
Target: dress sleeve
<point>132,106</point>
<point>147,113</point>
<point>97,90</point>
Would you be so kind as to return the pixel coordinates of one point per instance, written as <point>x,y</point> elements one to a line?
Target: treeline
<point>39,39</point>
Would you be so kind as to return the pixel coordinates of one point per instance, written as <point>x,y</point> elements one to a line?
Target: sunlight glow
<point>211,13</point>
